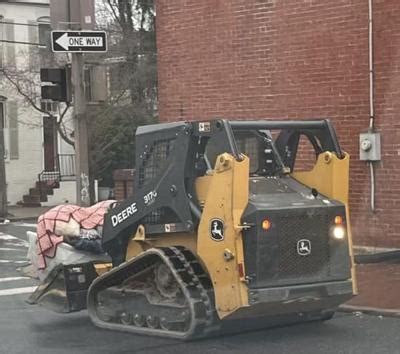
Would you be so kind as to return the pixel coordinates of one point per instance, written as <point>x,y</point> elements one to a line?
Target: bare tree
<point>27,84</point>
<point>132,62</point>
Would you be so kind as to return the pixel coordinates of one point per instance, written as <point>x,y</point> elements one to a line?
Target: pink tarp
<point>47,239</point>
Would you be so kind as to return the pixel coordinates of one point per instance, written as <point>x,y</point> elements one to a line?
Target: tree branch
<point>116,17</point>
<point>32,102</point>
<point>61,128</point>
<point>22,93</point>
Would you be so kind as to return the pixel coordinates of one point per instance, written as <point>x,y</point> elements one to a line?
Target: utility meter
<point>370,146</point>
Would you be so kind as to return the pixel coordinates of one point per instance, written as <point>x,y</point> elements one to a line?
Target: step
<point>44,188</point>
<point>35,192</point>
<point>47,184</point>
<point>31,199</point>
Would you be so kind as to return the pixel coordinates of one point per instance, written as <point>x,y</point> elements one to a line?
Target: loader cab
<point>274,148</point>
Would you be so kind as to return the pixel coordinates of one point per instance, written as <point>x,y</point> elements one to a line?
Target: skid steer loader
<point>221,230</point>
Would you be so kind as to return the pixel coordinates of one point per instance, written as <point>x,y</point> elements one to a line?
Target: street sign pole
<point>81,132</point>
<point>79,18</point>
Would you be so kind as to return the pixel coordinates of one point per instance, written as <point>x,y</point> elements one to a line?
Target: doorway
<point>49,143</point>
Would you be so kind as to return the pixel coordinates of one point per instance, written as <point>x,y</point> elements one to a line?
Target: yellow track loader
<point>222,232</point>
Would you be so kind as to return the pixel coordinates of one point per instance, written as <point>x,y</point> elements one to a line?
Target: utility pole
<point>80,117</point>
<point>77,15</point>
<point>3,185</point>
<point>81,132</point>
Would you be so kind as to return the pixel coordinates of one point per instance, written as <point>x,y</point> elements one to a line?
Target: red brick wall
<point>291,59</point>
<point>123,183</point>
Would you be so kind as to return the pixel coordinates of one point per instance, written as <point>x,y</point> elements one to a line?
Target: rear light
<point>241,270</point>
<point>338,230</point>
<point>266,224</point>
<point>338,220</point>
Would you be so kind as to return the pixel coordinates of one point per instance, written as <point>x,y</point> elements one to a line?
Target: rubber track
<point>194,282</point>
<point>204,284</point>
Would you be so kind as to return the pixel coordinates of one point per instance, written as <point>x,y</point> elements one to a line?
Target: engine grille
<point>291,265</point>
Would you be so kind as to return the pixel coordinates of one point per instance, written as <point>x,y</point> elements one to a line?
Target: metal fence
<point>66,165</point>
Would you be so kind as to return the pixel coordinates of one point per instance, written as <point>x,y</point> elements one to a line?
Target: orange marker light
<point>338,220</point>
<point>241,270</point>
<point>266,224</point>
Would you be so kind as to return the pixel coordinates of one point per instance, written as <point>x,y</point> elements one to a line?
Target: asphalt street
<point>32,329</point>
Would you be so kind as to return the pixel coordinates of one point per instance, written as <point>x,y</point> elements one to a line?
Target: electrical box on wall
<point>370,146</point>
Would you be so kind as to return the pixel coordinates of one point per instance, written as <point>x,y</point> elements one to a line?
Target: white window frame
<point>1,43</point>
<point>3,103</point>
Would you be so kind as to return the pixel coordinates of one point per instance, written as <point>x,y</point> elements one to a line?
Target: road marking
<point>20,243</point>
<point>2,280</point>
<point>7,237</point>
<point>12,249</point>
<point>24,224</point>
<point>17,291</point>
<point>11,261</point>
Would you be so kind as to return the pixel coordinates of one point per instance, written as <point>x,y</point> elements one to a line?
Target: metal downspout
<point>371,98</point>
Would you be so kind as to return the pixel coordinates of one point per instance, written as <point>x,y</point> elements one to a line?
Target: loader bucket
<point>64,289</point>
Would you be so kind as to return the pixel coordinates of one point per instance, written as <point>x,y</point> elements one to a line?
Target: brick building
<point>293,59</point>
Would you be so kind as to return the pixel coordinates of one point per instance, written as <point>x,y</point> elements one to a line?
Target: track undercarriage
<point>163,291</point>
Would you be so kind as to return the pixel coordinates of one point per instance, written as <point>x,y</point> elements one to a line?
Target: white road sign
<point>79,41</point>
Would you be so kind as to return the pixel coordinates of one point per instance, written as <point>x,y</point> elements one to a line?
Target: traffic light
<point>59,90</point>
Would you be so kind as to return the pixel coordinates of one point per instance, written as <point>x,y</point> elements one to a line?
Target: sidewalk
<point>378,288</point>
<point>19,213</point>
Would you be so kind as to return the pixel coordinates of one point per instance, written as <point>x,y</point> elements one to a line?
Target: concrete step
<point>41,193</point>
<point>47,184</point>
<point>44,188</point>
<point>29,200</point>
<point>63,195</point>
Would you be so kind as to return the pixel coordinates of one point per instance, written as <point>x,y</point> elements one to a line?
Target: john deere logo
<point>217,229</point>
<point>304,247</point>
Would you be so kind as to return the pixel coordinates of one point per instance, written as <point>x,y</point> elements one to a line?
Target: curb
<point>19,218</point>
<point>381,257</point>
<point>375,311</point>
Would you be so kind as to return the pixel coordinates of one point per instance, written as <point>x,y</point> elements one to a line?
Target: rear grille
<point>291,265</point>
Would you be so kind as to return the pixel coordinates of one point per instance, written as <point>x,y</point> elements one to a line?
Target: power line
<point>27,43</point>
<point>22,24</point>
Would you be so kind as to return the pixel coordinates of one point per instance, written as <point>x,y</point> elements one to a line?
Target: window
<point>44,34</point>
<point>3,137</point>
<point>39,32</point>
<point>33,38</point>
<point>1,43</point>
<point>12,110</point>
<point>2,118</point>
<point>44,39</point>
<point>9,35</point>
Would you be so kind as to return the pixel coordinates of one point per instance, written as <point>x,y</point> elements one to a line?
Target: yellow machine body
<point>224,194</point>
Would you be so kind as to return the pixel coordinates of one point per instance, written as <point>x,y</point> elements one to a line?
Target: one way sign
<point>79,41</point>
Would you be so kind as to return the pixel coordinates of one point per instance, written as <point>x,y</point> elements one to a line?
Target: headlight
<point>338,232</point>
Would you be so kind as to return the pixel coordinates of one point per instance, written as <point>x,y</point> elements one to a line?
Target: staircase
<point>43,188</point>
<point>48,181</point>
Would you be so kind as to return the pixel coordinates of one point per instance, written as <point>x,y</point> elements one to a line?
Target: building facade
<point>31,143</point>
<point>296,59</point>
